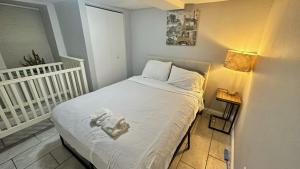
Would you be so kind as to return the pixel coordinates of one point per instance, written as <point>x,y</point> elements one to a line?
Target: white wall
<point>69,17</point>
<point>2,64</point>
<point>267,133</point>
<point>234,24</point>
<point>73,23</point>
<point>22,30</point>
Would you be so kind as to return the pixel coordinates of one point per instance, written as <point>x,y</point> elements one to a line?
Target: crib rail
<point>9,74</point>
<point>27,100</point>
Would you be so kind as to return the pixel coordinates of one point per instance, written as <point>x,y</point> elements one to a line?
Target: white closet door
<point>108,45</point>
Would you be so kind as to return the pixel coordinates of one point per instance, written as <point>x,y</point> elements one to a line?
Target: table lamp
<point>239,61</point>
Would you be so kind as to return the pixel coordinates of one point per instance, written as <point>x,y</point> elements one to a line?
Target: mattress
<point>159,116</point>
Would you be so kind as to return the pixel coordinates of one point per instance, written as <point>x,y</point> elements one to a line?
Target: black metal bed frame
<point>89,165</point>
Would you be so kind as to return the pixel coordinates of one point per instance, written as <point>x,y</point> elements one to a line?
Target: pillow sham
<point>185,79</point>
<point>157,70</point>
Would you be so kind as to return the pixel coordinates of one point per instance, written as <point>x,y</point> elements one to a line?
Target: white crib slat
<point>56,87</point>
<point>79,82</point>
<point>74,83</point>
<point>44,93</point>
<point>62,81</point>
<point>25,72</point>
<point>55,69</point>
<point>38,70</point>
<point>31,71</point>
<point>9,92</point>
<point>36,96</point>
<point>9,104</point>
<point>50,90</point>
<point>18,74</point>
<point>19,101</point>
<point>25,91</point>
<point>69,84</point>
<point>4,118</point>
<point>44,70</point>
<point>10,76</point>
<point>2,77</point>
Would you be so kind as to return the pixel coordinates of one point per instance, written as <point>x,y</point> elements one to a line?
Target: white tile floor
<point>31,149</point>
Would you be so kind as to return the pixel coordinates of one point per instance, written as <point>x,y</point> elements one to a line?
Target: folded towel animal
<point>114,125</point>
<point>97,118</point>
<point>115,128</point>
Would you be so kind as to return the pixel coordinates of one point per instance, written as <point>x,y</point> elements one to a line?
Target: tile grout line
<point>14,163</point>
<point>188,164</point>
<point>64,162</point>
<point>217,159</point>
<point>180,158</point>
<point>212,134</point>
<point>53,157</point>
<point>35,161</point>
<point>22,152</point>
<point>193,129</point>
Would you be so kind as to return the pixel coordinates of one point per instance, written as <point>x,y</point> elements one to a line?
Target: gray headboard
<point>200,67</point>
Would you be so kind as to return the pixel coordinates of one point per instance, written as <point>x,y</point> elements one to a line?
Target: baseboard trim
<point>232,150</point>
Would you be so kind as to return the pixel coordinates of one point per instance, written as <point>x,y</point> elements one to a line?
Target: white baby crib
<point>28,94</point>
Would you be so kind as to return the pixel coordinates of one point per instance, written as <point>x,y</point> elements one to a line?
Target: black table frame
<point>229,116</point>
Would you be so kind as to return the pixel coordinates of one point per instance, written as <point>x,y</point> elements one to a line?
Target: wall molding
<point>232,149</point>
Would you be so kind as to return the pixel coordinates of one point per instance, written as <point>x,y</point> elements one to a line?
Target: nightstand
<point>224,123</point>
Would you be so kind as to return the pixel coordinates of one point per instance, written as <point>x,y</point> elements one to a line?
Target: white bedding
<point>159,116</point>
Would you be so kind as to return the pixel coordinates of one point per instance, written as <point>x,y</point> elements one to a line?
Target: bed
<point>160,116</point>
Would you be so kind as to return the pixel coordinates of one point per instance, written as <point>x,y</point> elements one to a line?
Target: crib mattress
<point>159,115</point>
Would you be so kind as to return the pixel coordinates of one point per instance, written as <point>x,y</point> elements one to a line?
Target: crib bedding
<point>159,115</point>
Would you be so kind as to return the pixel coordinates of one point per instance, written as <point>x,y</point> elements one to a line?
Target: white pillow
<point>157,70</point>
<point>186,79</point>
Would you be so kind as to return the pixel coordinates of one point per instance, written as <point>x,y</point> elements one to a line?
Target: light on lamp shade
<point>240,61</point>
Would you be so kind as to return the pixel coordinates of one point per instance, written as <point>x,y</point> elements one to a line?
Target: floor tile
<point>200,142</point>
<point>61,154</point>
<point>46,134</point>
<point>7,165</point>
<point>219,142</point>
<point>17,137</point>
<point>213,163</point>
<point>29,156</point>
<point>26,133</point>
<point>11,152</point>
<point>182,165</point>
<point>71,163</point>
<point>45,151</point>
<point>47,162</point>
<point>178,155</point>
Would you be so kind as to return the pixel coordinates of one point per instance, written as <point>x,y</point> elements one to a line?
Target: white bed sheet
<point>159,116</point>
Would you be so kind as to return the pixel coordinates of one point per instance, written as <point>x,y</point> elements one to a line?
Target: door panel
<point>108,45</point>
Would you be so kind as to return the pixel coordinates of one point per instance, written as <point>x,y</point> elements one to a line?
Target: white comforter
<point>159,116</point>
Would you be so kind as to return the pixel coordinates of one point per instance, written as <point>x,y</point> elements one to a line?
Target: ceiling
<point>160,4</point>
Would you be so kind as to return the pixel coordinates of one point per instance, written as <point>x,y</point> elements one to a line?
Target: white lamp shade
<point>240,61</point>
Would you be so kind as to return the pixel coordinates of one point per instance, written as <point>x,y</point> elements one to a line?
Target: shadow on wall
<point>221,77</point>
<point>271,112</point>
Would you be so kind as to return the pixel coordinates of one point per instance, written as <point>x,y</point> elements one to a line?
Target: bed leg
<point>92,166</point>
<point>189,139</point>
<point>62,141</point>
